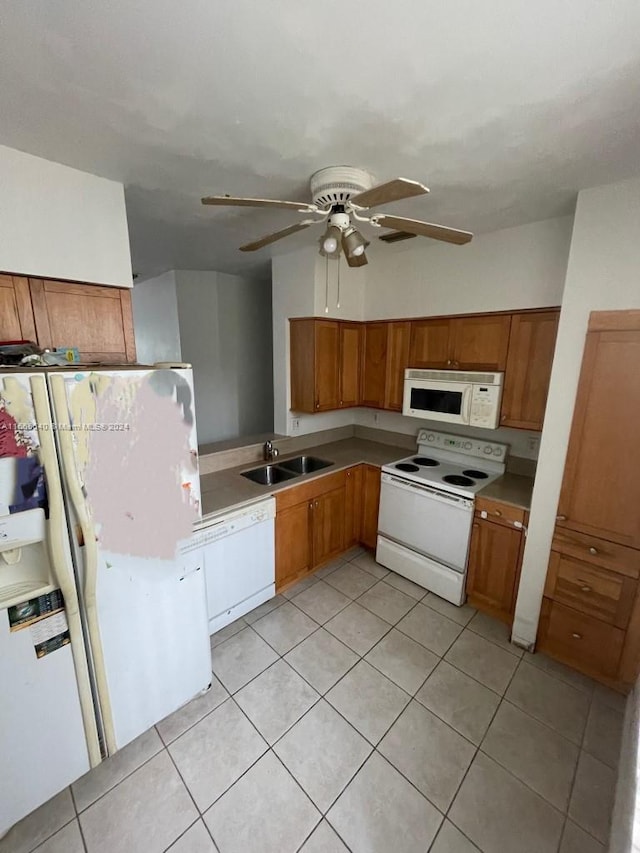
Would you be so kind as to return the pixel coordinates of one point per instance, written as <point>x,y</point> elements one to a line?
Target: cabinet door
<point>302,365</point>
<point>398,340</point>
<point>370,505</point>
<point>16,314</point>
<point>526,383</point>
<point>293,543</point>
<point>493,566</point>
<point>350,357</point>
<point>353,506</point>
<point>430,346</point>
<point>374,364</point>
<point>327,365</point>
<point>480,342</point>
<point>97,320</point>
<point>328,520</point>
<point>601,488</point>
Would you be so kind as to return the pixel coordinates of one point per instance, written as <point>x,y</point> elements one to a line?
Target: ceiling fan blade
<point>229,201</point>
<point>271,238</point>
<point>356,260</point>
<point>394,190</point>
<point>423,229</point>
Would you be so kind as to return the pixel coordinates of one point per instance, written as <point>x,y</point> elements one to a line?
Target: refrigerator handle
<point>65,440</point>
<point>62,570</point>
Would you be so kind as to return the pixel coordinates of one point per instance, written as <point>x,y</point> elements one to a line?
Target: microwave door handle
<point>469,398</point>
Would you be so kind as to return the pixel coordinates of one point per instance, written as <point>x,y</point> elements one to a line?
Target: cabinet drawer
<point>579,640</point>
<point>591,589</point>
<point>499,512</point>
<point>599,552</point>
<point>309,490</point>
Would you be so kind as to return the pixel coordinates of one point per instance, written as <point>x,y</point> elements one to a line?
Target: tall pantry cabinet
<point>591,609</point>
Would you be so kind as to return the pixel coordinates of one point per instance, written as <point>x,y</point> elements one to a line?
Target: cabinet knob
<point>503,417</point>
<point>576,636</point>
<point>561,517</point>
<point>448,362</point>
<point>341,403</point>
<point>593,551</point>
<point>317,405</point>
<point>316,504</point>
<point>311,505</point>
<point>497,512</point>
<point>585,589</point>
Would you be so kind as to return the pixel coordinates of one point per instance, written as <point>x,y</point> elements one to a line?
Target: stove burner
<point>406,466</point>
<point>426,461</point>
<point>477,475</point>
<point>458,480</point>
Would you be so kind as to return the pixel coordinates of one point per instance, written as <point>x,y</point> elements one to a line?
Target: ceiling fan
<point>338,195</point>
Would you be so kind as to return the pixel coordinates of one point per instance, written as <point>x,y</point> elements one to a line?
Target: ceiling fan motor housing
<point>336,184</point>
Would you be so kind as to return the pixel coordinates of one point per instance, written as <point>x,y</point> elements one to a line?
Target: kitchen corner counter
<point>514,489</point>
<point>227,490</point>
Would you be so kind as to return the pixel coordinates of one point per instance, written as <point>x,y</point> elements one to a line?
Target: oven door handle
<point>428,491</point>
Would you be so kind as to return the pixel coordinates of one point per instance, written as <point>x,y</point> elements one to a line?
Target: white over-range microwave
<point>454,396</point>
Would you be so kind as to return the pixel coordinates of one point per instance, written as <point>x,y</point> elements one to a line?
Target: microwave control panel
<point>485,406</point>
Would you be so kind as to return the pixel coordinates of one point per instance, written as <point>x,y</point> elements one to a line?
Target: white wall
<point>58,222</point>
<point>155,319</point>
<point>225,332</point>
<point>603,274</point>
<point>521,267</point>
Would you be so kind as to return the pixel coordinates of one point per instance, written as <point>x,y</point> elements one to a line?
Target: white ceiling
<point>505,108</point>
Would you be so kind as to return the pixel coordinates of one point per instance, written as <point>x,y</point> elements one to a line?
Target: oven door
<point>433,523</point>
<point>438,401</point>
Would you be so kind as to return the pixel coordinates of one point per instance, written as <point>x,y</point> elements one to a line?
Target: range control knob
<point>497,451</point>
<point>467,445</point>
<point>431,437</point>
<point>487,449</point>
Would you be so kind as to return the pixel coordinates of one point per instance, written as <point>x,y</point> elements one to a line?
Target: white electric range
<point>426,509</point>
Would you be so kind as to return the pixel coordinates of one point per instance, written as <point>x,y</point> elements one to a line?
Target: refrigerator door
<point>128,445</point>
<point>48,733</point>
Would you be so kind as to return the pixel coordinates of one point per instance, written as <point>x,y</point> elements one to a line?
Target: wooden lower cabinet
<point>327,524</point>
<point>318,520</point>
<point>293,543</point>
<point>495,555</point>
<point>370,505</point>
<point>353,506</point>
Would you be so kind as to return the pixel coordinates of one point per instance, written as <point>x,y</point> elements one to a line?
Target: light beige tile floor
<point>357,713</point>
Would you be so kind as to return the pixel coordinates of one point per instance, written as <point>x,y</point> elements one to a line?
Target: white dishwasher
<point>239,561</point>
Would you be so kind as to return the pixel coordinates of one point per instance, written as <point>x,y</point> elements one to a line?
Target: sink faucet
<point>270,452</point>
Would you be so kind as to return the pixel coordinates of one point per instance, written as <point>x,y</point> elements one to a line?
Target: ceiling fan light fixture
<point>330,242</point>
<point>353,243</point>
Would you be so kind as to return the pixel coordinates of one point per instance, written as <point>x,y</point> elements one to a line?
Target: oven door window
<point>437,400</point>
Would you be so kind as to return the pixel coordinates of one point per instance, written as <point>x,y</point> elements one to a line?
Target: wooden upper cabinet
<point>481,342</point>
<point>526,382</point>
<point>477,342</point>
<point>374,370</point>
<point>325,364</point>
<point>430,343</point>
<point>600,492</point>
<point>315,366</point>
<point>349,368</point>
<point>16,313</point>
<point>97,320</point>
<point>398,340</point>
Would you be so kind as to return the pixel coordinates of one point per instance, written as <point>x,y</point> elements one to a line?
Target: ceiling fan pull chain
<point>326,286</point>
<point>338,303</point>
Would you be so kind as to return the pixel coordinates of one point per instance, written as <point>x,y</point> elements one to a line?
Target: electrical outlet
<point>295,425</point>
<point>533,444</point>
<point>375,418</point>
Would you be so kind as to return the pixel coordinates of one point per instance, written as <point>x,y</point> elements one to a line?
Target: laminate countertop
<point>227,490</point>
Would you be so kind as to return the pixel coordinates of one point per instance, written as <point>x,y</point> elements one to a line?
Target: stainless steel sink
<point>268,475</point>
<point>304,464</point>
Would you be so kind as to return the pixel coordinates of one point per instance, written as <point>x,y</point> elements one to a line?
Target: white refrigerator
<point>103,618</point>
